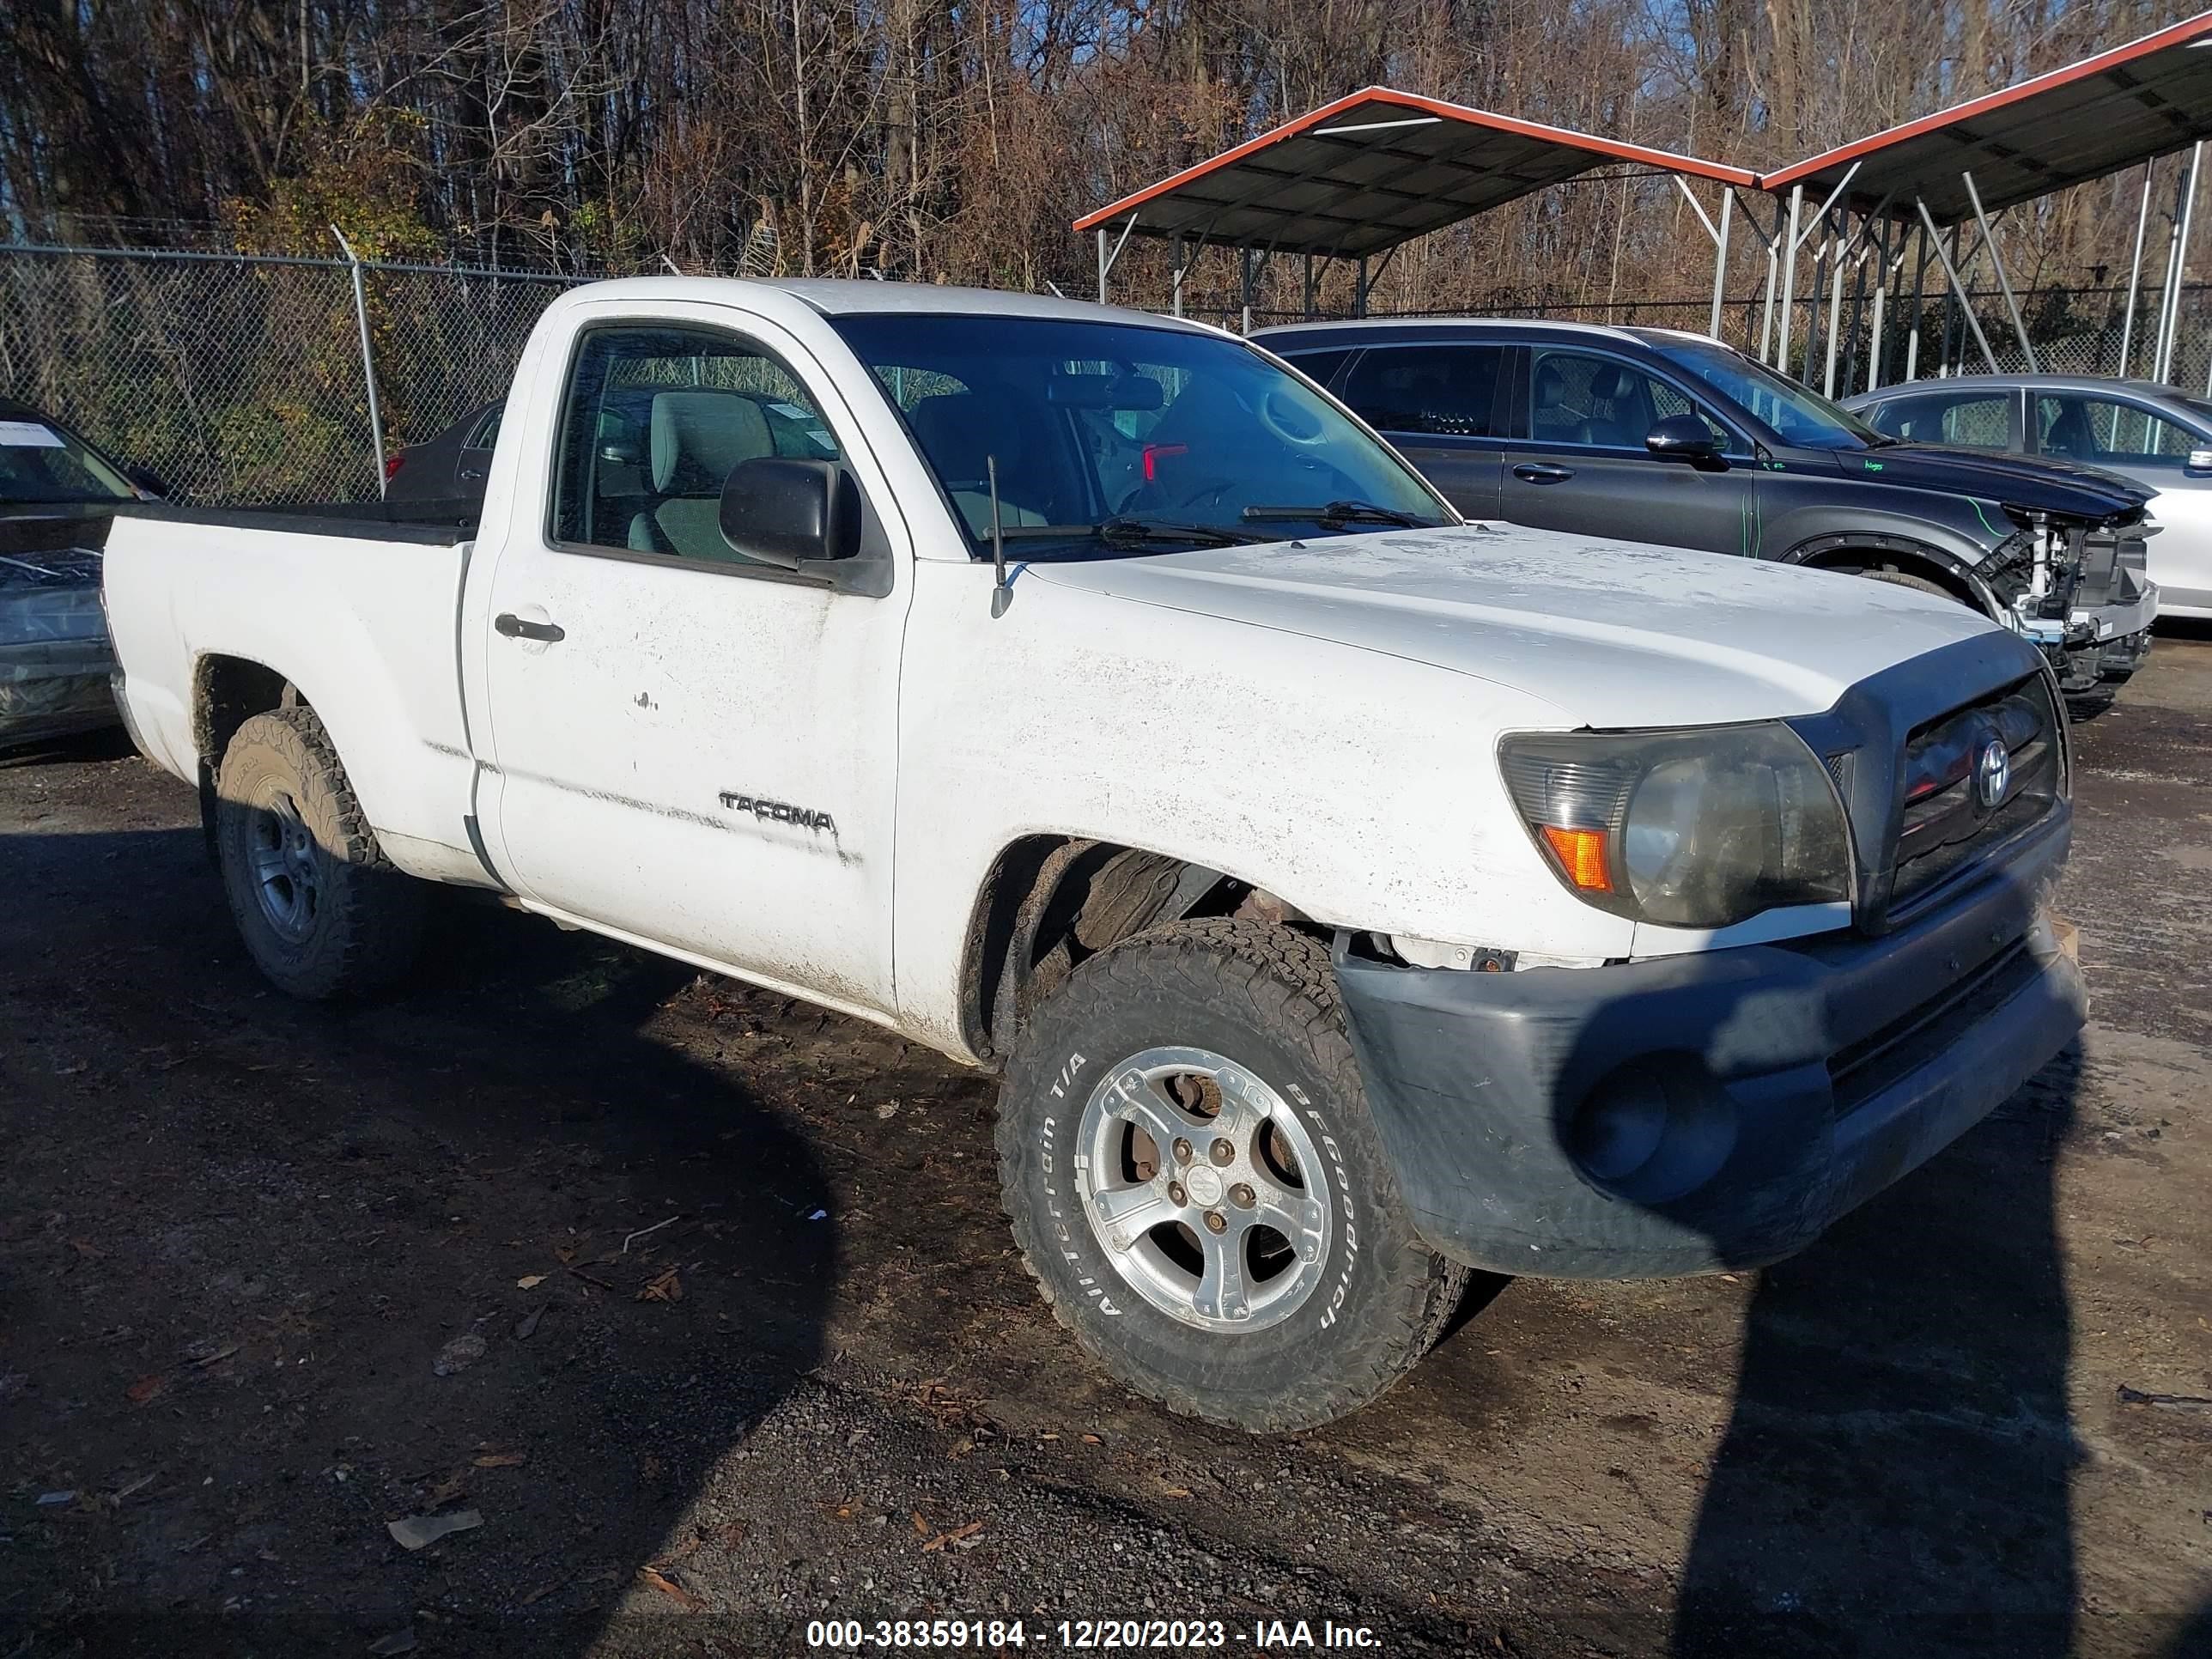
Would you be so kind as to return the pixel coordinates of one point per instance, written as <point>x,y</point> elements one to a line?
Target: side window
<point>1974,419</point>
<point>1580,400</point>
<point>1448,390</point>
<point>2098,430</point>
<point>1319,367</point>
<point>486,436</point>
<point>654,420</point>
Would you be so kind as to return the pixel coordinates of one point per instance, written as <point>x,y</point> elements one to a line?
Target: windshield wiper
<point>1134,533</point>
<point>1335,513</point>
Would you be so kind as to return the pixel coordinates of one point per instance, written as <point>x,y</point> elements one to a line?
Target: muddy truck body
<point>1349,898</point>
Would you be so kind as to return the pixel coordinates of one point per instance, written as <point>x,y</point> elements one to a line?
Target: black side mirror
<point>1683,438</point>
<point>791,512</point>
<point>145,478</point>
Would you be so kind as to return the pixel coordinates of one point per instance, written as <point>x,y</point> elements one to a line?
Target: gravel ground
<point>273,1277</point>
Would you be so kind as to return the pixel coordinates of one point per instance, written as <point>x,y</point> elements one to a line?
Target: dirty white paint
<point>1319,721</point>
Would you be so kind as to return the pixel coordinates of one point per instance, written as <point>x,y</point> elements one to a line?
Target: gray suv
<point>1654,435</point>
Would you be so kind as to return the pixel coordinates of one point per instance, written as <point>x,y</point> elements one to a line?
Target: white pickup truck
<point>1349,897</point>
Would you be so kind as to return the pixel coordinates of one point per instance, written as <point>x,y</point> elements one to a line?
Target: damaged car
<point>1656,435</point>
<point>57,495</point>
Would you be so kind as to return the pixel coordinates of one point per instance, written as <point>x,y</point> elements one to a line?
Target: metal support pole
<point>1831,251</point>
<point>1720,263</point>
<point>2134,272</point>
<point>1919,311</point>
<point>1359,290</point>
<point>1835,325</point>
<point>367,356</point>
<point>1178,274</point>
<point>1244,280</point>
<point>1964,304</point>
<point>1789,278</point>
<point>1101,264</point>
<point>1310,287</point>
<point>2004,283</point>
<point>2170,337</point>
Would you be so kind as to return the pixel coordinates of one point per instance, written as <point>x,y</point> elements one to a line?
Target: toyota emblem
<point>1992,774</point>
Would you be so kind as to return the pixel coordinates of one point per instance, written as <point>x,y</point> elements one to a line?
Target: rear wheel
<point>323,912</point>
<point>1194,1180</point>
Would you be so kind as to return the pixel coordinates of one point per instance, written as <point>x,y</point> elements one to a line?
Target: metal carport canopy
<point>1373,170</point>
<point>2147,99</point>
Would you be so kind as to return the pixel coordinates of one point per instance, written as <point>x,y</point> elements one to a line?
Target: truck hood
<point>1611,634</point>
<point>2044,482</point>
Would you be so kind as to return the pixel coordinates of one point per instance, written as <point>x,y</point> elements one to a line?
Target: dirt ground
<point>702,1303</point>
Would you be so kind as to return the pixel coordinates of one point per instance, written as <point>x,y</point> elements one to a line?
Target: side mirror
<point>145,478</point>
<point>2200,460</point>
<point>1683,438</point>
<point>791,512</point>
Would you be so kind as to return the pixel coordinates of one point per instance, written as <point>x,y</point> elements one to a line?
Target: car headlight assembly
<point>1698,828</point>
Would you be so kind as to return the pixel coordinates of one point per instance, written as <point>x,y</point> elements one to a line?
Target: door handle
<point>472,472</point>
<point>1543,473</point>
<point>515,628</point>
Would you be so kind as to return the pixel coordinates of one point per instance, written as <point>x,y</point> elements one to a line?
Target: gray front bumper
<point>1817,1073</point>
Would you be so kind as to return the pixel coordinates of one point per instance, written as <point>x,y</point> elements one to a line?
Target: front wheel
<point>1193,1177</point>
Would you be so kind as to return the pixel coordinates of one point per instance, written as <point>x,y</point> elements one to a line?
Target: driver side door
<point>1576,460</point>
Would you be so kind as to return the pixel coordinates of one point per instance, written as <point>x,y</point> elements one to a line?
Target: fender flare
<point>1814,553</point>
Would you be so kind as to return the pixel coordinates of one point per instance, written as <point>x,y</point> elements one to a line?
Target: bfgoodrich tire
<point>1193,1178</point>
<point>323,912</point>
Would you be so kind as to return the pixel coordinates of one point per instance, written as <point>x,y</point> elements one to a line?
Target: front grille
<point>1946,827</point>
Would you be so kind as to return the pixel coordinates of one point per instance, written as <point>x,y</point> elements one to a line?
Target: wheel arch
<point>1049,900</point>
<point>1855,549</point>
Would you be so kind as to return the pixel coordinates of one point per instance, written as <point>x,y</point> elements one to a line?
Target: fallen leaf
<point>541,1592</point>
<point>85,1247</point>
<point>564,1254</point>
<point>502,1460</point>
<point>1093,1440</point>
<point>148,1389</point>
<point>400,1641</point>
<point>960,1449</point>
<point>1178,1492</point>
<point>420,1531</point>
<point>446,1491</point>
<point>530,1281</point>
<point>919,1525</point>
<point>666,1288</point>
<point>668,1587</point>
<point>952,1537</point>
<point>223,1353</point>
<point>528,1326</point>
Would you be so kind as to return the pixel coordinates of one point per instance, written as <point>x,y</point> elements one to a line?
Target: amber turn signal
<point>1581,854</point>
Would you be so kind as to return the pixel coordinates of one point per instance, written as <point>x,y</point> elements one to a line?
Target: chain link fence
<point>239,379</point>
<point>242,379</point>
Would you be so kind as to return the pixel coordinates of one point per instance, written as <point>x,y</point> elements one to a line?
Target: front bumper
<point>1809,1076</point>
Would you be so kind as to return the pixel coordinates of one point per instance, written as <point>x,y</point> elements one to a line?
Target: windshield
<point>1115,437</point>
<point>40,464</point>
<point>1796,414</point>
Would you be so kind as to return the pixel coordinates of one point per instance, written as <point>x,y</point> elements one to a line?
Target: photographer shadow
<point>1893,1479</point>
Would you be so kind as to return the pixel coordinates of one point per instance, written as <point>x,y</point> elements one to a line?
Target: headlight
<point>1698,828</point>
